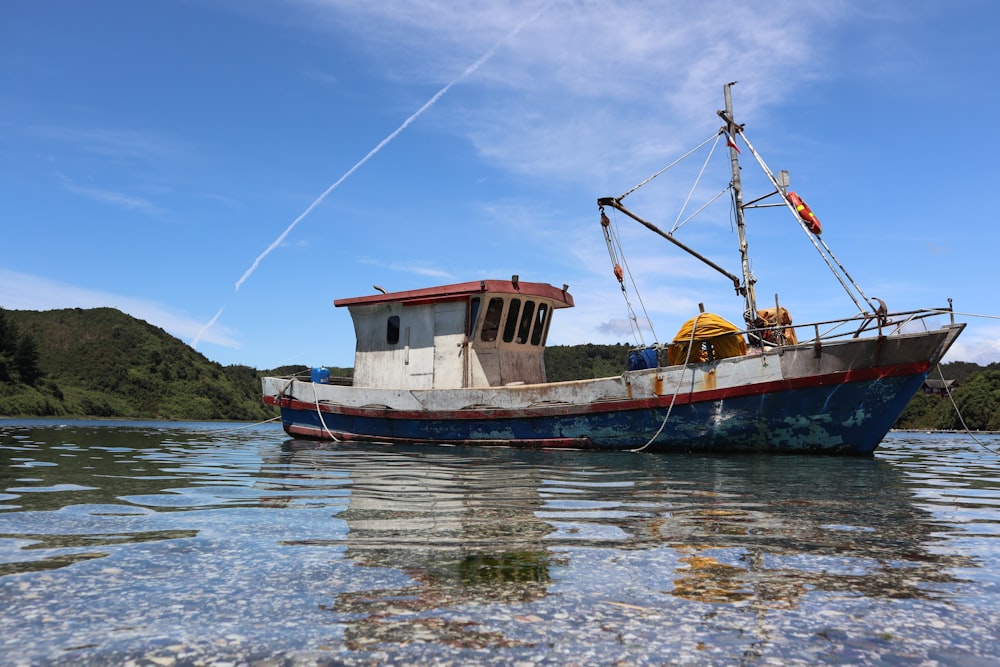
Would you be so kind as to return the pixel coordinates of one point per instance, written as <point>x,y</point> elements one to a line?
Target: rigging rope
<point>825,252</point>
<point>700,209</point>
<point>955,312</point>
<point>678,160</point>
<point>817,241</point>
<point>613,242</point>
<point>694,186</point>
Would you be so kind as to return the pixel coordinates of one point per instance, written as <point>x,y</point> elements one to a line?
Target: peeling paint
<point>785,400</point>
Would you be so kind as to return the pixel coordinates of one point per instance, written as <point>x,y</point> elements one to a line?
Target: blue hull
<point>849,418</point>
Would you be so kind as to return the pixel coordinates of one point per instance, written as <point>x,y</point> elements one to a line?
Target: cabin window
<point>473,315</point>
<point>392,330</point>
<point>525,328</point>
<point>540,321</point>
<point>491,321</point>
<point>511,325</point>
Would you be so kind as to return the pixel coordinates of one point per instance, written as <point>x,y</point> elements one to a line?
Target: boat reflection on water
<point>130,538</point>
<point>846,527</point>
<point>460,526</point>
<point>498,526</point>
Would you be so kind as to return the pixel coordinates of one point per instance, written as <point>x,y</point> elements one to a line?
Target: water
<point>191,544</point>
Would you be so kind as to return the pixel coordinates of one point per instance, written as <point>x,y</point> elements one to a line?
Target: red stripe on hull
<point>682,398</point>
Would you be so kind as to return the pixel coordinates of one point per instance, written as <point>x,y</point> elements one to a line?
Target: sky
<point>224,170</point>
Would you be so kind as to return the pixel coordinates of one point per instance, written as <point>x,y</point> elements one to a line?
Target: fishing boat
<point>463,364</point>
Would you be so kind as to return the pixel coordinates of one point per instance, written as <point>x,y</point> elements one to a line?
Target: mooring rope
<point>673,399</point>
<point>319,414</point>
<point>240,428</point>
<point>961,419</point>
<point>947,391</point>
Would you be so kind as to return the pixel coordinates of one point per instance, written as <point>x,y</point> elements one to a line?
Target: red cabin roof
<point>560,297</point>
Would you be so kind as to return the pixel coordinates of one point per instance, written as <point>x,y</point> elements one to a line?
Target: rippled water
<point>184,544</point>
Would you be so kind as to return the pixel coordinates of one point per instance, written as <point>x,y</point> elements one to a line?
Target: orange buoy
<point>805,213</point>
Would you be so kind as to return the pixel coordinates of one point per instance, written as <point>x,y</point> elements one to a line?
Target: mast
<point>732,129</point>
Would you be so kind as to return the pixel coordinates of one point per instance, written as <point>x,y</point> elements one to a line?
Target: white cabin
<point>484,333</point>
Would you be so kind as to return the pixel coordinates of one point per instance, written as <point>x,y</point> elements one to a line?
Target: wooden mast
<point>732,130</point>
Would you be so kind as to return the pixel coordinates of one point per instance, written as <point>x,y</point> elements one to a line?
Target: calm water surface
<point>191,544</point>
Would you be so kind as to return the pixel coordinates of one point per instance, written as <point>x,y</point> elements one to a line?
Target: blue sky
<point>151,151</point>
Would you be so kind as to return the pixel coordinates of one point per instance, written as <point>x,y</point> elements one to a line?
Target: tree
<point>920,413</point>
<point>8,345</point>
<point>8,335</point>
<point>26,360</point>
<point>979,403</point>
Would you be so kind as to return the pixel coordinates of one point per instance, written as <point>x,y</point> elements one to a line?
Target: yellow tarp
<point>706,329</point>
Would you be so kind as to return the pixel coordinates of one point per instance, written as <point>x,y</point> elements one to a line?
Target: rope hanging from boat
<point>614,244</point>
<point>615,250</point>
<point>961,418</point>
<point>677,390</point>
<point>809,224</point>
<point>319,414</point>
<point>244,426</point>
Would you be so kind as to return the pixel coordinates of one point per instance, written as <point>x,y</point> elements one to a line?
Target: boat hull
<point>840,399</point>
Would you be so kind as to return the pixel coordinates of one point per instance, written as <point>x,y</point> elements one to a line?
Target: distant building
<point>940,387</point>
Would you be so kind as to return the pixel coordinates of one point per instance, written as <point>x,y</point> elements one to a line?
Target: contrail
<point>204,329</point>
<point>468,71</point>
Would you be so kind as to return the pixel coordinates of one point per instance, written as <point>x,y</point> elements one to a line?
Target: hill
<point>103,363</point>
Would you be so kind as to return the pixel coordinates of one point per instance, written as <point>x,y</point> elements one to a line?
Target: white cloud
<point>120,145</point>
<point>590,86</point>
<point>118,199</point>
<point>23,291</point>
<point>981,346</point>
<point>416,267</point>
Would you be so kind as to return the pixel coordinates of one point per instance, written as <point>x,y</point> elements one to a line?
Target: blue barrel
<point>320,375</point>
<point>641,359</point>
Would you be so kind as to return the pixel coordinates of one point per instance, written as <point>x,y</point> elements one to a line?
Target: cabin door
<point>449,336</point>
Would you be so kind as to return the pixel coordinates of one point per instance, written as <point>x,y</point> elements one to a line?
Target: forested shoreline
<point>100,362</point>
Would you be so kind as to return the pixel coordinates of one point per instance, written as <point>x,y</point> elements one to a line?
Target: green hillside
<point>103,363</point>
<point>580,362</point>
